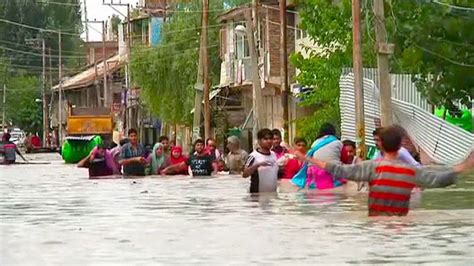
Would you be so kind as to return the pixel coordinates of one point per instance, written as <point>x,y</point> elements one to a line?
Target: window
<point>223,43</point>
<point>241,44</point>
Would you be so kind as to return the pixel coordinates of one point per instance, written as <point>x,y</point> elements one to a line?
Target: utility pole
<point>50,89</point>
<point>384,49</point>
<point>205,69</point>
<point>4,98</point>
<point>358,79</point>
<point>60,100</point>
<point>50,69</point>
<point>285,89</point>
<point>101,101</point>
<point>127,111</point>
<point>4,103</point>
<point>45,101</point>
<point>257,89</point>
<point>198,100</point>
<point>35,42</point>
<point>86,19</point>
<point>104,68</point>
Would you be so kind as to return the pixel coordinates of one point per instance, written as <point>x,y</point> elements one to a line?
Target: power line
<point>40,29</point>
<point>278,8</point>
<point>429,51</point>
<point>443,57</point>
<point>58,3</point>
<point>35,69</point>
<point>28,46</point>
<point>39,67</point>
<point>37,54</point>
<point>470,9</point>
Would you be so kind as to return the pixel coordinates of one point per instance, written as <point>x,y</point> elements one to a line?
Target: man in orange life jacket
<point>392,180</point>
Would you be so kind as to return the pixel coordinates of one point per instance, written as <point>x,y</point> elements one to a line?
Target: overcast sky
<point>96,10</point>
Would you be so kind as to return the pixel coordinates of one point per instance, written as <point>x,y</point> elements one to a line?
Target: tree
<point>328,25</point>
<point>40,14</point>
<point>23,62</point>
<point>22,90</point>
<point>167,73</point>
<point>432,41</point>
<point>436,43</point>
<point>115,20</point>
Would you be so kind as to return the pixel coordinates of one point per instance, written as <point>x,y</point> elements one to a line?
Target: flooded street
<point>53,215</point>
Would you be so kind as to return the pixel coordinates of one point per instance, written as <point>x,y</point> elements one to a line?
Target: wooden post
<point>383,52</point>
<point>285,89</point>
<point>205,72</point>
<point>358,79</point>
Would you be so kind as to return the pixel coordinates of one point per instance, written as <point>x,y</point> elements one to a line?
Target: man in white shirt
<point>262,165</point>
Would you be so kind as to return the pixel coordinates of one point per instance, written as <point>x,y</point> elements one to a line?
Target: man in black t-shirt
<point>201,163</point>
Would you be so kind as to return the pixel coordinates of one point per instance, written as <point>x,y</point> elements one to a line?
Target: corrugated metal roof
<point>402,87</point>
<point>87,77</point>
<point>442,141</point>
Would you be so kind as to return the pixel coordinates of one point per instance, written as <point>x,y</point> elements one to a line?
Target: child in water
<point>391,179</point>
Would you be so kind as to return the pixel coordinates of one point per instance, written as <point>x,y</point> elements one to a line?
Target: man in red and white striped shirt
<point>391,180</point>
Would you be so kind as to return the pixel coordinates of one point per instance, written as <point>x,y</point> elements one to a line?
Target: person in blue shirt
<point>132,156</point>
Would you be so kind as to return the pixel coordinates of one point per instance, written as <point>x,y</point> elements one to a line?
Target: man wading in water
<point>8,151</point>
<point>200,161</point>
<point>132,156</point>
<point>261,165</point>
<point>391,180</point>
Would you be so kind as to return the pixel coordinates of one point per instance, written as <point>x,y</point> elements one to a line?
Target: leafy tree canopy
<point>167,73</point>
<point>433,41</point>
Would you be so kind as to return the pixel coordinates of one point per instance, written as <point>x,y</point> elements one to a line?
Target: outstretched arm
<point>173,168</point>
<point>21,155</point>
<point>432,177</point>
<point>363,171</point>
<point>83,162</point>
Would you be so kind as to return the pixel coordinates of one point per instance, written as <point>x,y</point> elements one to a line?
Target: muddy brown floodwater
<point>53,215</point>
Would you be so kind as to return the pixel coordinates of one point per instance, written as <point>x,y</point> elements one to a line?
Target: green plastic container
<point>74,151</point>
<point>464,121</point>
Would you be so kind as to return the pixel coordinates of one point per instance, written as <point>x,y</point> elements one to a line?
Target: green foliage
<point>21,108</point>
<point>432,41</point>
<point>115,20</point>
<point>436,42</point>
<point>22,75</point>
<point>167,73</point>
<point>40,14</point>
<point>329,26</point>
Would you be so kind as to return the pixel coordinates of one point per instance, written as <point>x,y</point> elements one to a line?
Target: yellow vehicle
<point>86,128</point>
